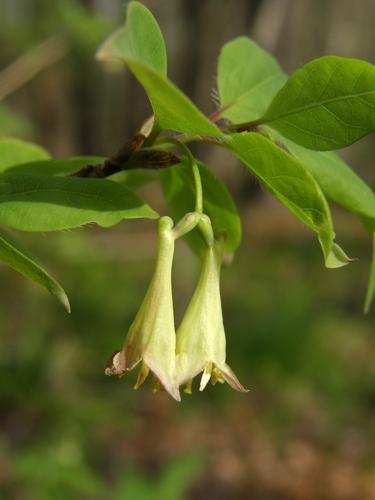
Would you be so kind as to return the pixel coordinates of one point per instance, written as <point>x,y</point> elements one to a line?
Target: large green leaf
<point>54,167</point>
<point>42,203</point>
<point>139,40</point>
<point>179,191</point>
<point>327,104</point>
<point>371,283</point>
<point>173,109</point>
<point>342,185</point>
<point>338,181</point>
<point>248,79</point>
<point>293,185</point>
<point>132,179</point>
<point>12,253</point>
<point>14,151</point>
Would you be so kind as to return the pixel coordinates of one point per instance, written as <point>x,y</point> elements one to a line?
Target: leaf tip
<point>63,298</point>
<point>338,258</point>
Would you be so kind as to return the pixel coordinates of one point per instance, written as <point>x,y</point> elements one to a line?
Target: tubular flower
<point>201,337</point>
<point>151,338</point>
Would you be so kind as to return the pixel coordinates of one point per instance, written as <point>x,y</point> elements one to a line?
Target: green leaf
<point>173,109</point>
<point>248,79</point>
<point>14,255</point>
<point>327,104</point>
<point>134,179</point>
<point>338,181</point>
<point>41,203</point>
<point>179,190</point>
<point>14,151</point>
<point>371,284</point>
<point>293,185</point>
<point>342,185</point>
<point>140,40</point>
<point>54,167</point>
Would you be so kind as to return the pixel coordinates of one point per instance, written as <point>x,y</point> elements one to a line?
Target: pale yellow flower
<point>201,337</point>
<point>151,338</point>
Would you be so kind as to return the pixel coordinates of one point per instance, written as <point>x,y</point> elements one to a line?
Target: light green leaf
<point>54,167</point>
<point>14,255</point>
<point>293,185</point>
<point>14,151</point>
<point>139,40</point>
<point>327,104</point>
<point>134,179</point>
<point>371,283</point>
<point>173,109</point>
<point>179,191</point>
<point>248,79</point>
<point>41,203</point>
<point>338,181</point>
<point>342,185</point>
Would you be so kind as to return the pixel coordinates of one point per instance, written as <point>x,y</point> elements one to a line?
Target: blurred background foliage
<point>296,333</point>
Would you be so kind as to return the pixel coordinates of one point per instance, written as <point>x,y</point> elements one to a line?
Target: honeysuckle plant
<point>284,130</point>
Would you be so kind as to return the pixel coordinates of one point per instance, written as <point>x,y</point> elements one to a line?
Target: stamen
<point>188,387</point>
<point>156,386</point>
<point>205,376</point>
<point>142,375</point>
<point>216,376</point>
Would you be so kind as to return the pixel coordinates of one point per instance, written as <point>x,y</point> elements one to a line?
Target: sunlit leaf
<point>293,185</point>
<point>248,79</point>
<point>173,109</point>
<point>338,181</point>
<point>327,104</point>
<point>54,167</point>
<point>139,40</point>
<point>41,203</point>
<point>12,253</point>
<point>14,151</point>
<point>371,283</point>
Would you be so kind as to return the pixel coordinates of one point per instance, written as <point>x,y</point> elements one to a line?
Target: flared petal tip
<point>221,374</point>
<point>116,365</point>
<point>170,389</point>
<point>165,378</point>
<point>232,379</point>
<point>175,393</point>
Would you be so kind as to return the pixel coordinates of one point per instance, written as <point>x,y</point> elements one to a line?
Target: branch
<point>131,156</point>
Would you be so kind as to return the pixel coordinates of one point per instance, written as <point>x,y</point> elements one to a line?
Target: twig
<point>131,156</point>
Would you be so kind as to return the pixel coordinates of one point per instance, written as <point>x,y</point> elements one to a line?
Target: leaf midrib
<point>316,105</point>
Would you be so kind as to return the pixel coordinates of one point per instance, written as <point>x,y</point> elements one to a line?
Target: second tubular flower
<point>201,343</point>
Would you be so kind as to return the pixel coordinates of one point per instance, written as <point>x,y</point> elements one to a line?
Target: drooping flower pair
<point>175,358</point>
